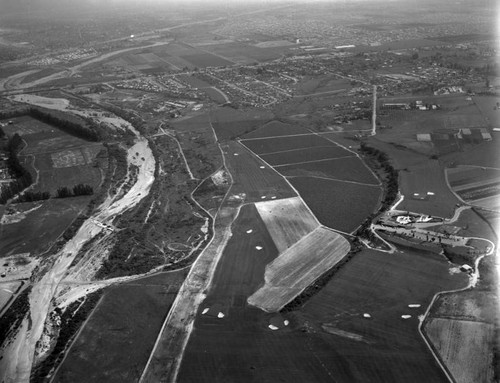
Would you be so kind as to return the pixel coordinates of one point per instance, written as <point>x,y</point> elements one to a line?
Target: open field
<point>422,179</point>
<point>7,291</point>
<point>321,84</point>
<point>252,177</point>
<point>131,316</point>
<point>294,156</point>
<point>486,105</point>
<point>485,154</point>
<point>273,145</point>
<point>36,225</point>
<point>475,305</point>
<point>383,285</point>
<point>240,347</point>
<point>203,60</point>
<point>339,205</point>
<point>345,169</point>
<point>240,52</point>
<point>287,220</point>
<point>53,177</point>
<point>298,267</point>
<point>230,123</point>
<point>463,176</point>
<point>275,128</point>
<point>464,346</point>
<point>26,125</point>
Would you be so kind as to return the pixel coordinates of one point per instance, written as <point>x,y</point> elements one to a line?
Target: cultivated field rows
<point>287,220</point>
<point>298,267</point>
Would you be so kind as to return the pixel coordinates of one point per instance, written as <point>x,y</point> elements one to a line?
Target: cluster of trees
<point>66,126</point>
<point>78,190</point>
<point>22,177</point>
<point>32,196</point>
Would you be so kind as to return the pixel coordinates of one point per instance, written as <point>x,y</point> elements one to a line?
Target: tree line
<point>22,177</point>
<point>390,182</point>
<point>66,126</point>
<point>69,127</point>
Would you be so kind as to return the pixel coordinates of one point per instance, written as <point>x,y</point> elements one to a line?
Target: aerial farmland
<point>249,192</point>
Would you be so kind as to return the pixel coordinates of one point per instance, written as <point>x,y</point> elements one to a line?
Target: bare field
<point>298,267</point>
<point>427,177</point>
<point>52,178</point>
<point>473,305</point>
<point>463,176</point>
<point>344,169</point>
<point>287,220</point>
<point>252,177</point>
<point>230,123</point>
<point>486,105</point>
<point>35,225</point>
<point>382,285</point>
<point>273,145</point>
<point>275,128</point>
<point>295,156</point>
<point>464,346</point>
<point>131,315</point>
<point>240,347</point>
<point>339,205</point>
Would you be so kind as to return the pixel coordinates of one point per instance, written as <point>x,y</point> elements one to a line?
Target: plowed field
<point>298,267</point>
<point>287,220</point>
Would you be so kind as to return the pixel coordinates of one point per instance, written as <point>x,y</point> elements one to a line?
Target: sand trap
<point>365,315</point>
<point>414,305</point>
<point>249,231</point>
<point>220,315</point>
<point>259,247</point>
<point>205,311</point>
<point>406,316</point>
<point>286,322</point>
<point>272,327</point>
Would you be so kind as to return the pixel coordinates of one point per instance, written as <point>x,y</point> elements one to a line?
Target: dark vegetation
<point>22,177</point>
<point>73,128</point>
<point>71,320</point>
<point>66,126</point>
<point>12,318</point>
<point>379,162</point>
<point>78,190</point>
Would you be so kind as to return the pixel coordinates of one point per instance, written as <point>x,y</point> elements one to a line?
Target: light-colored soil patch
<point>67,158</point>
<point>298,267</point>
<point>46,102</point>
<point>287,220</point>
<point>7,290</point>
<point>15,267</point>
<point>464,347</point>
